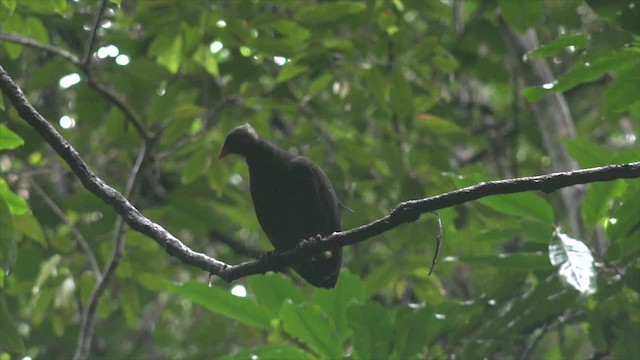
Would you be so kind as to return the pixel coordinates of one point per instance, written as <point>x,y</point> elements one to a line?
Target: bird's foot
<point>268,256</point>
<point>309,242</point>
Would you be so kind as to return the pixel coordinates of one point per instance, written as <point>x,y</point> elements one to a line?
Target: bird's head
<point>239,141</point>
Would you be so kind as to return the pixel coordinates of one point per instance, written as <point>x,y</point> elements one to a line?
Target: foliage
<point>394,103</point>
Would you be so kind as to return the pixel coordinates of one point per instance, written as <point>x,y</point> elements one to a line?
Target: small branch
<point>93,35</point>
<point>84,245</point>
<point>19,39</point>
<point>116,99</point>
<point>405,212</point>
<point>121,104</point>
<point>85,337</point>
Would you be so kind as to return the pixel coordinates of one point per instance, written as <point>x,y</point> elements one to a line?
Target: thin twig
<point>22,40</point>
<point>438,243</point>
<point>83,347</point>
<point>93,35</point>
<point>405,212</point>
<point>84,245</point>
<point>121,104</point>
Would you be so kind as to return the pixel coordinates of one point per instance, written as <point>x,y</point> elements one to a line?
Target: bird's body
<point>293,200</point>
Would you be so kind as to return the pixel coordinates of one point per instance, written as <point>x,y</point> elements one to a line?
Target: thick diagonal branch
<point>403,213</point>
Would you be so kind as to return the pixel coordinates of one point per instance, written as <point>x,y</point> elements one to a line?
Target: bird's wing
<point>315,199</point>
<point>317,213</point>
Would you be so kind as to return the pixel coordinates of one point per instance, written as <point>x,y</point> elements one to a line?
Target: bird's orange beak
<point>222,154</point>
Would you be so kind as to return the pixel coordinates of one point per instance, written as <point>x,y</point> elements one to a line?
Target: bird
<point>293,200</point>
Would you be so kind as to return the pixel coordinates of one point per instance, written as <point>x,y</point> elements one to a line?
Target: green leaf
<point>379,278</point>
<point>589,154</point>
<point>196,166</point>
<point>10,339</point>
<point>328,11</point>
<point>306,323</point>
<point>438,125</point>
<point>222,302</point>
<point>412,326</point>
<point>559,45</point>
<point>10,4</point>
<point>521,14</point>
<point>16,203</point>
<point>207,60</point>
<point>320,83</point>
<point>29,226</point>
<point>376,84</point>
<point>575,262</point>
<point>268,352</point>
<point>271,290</point>
<point>43,300</point>
<point>596,201</point>
<point>623,91</point>
<point>13,24</point>
<point>8,139</point>
<point>8,241</point>
<point>130,300</point>
<point>36,30</point>
<point>527,205</point>
<point>401,96</point>
<point>624,13</point>
<point>534,93</point>
<point>586,73</point>
<point>167,48</point>
<point>334,302</point>
<point>292,30</point>
<point>372,331</point>
<point>60,6</point>
<point>48,269</point>
<point>290,71</point>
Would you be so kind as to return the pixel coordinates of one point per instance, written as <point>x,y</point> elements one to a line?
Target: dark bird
<point>293,200</point>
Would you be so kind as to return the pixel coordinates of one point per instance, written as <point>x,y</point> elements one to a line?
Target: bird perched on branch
<point>293,200</point>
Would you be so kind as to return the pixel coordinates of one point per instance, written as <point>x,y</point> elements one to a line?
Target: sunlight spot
<point>221,23</point>
<point>68,81</point>
<point>549,86</point>
<point>122,60</point>
<point>441,316</point>
<point>245,51</point>
<point>67,122</point>
<point>279,60</point>
<point>215,47</point>
<point>108,51</point>
<point>239,291</point>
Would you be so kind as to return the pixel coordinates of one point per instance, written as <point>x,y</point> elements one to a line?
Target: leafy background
<point>395,100</point>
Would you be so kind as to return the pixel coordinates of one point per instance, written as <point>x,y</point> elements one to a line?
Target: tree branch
<point>22,40</point>
<point>93,35</point>
<point>112,96</point>
<point>405,212</point>
<point>85,336</point>
<point>84,245</point>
